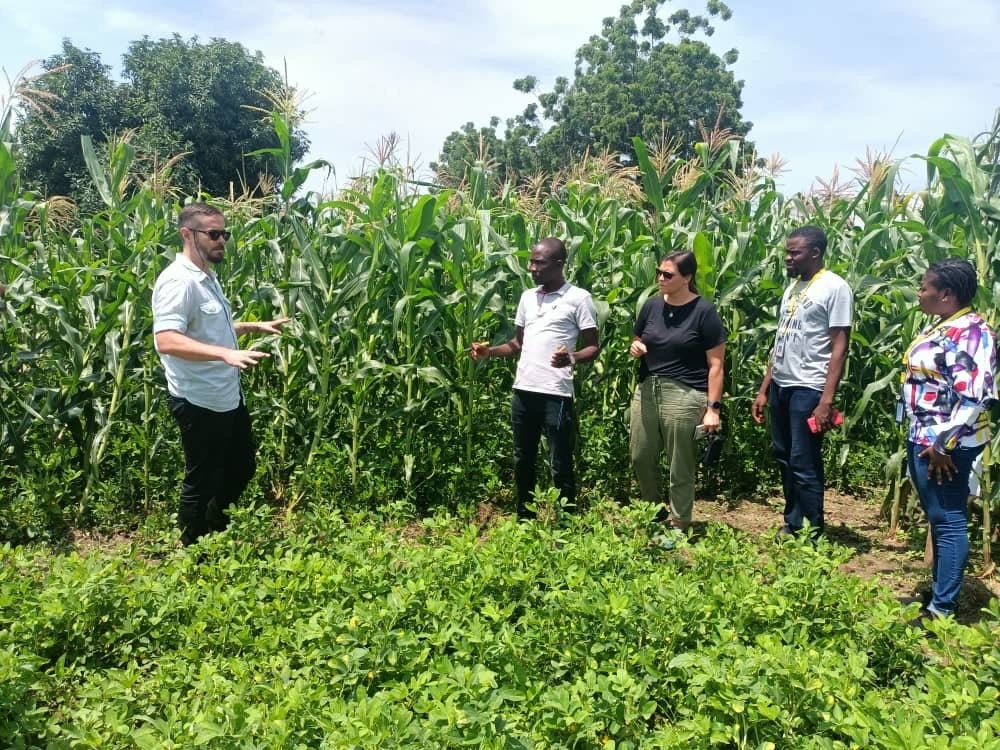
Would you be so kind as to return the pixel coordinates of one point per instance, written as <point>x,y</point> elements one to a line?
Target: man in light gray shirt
<point>807,362</point>
<point>196,338</point>
<point>549,321</point>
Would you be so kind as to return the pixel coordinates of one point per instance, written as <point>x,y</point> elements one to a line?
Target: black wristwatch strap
<point>717,405</point>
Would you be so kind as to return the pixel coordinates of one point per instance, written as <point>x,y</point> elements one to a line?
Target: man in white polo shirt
<point>550,320</point>
<point>196,338</point>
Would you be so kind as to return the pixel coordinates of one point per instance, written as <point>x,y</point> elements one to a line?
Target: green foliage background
<point>370,396</point>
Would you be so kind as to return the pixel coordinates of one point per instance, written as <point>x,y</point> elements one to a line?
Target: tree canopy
<point>628,81</point>
<point>208,102</point>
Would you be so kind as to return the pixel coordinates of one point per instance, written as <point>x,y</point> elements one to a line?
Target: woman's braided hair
<point>958,276</point>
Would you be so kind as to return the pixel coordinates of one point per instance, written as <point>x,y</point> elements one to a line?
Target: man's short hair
<point>813,235</point>
<point>553,248</point>
<point>192,210</point>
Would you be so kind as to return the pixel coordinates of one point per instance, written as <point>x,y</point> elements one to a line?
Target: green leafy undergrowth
<point>332,632</point>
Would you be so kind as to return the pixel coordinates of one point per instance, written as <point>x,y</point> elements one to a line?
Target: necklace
<point>671,309</point>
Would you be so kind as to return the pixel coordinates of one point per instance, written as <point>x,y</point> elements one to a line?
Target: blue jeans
<point>947,509</point>
<point>532,415</point>
<point>799,453</point>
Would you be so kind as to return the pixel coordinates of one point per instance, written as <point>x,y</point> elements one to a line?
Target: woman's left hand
<point>940,466</point>
<point>711,420</point>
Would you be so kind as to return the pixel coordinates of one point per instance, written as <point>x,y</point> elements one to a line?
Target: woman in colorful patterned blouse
<point>948,385</point>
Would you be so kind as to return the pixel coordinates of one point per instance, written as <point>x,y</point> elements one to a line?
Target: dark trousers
<point>799,453</point>
<point>219,461</point>
<point>532,415</point>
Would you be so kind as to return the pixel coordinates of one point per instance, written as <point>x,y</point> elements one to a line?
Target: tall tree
<point>79,98</point>
<point>207,101</point>
<point>628,81</point>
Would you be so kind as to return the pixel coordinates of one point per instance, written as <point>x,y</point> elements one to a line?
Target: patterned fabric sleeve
<point>969,371</point>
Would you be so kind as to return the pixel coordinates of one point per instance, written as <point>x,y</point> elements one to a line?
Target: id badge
<point>900,411</point>
<point>779,349</point>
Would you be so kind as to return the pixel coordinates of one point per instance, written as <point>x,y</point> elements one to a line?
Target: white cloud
<point>127,21</point>
<point>822,82</point>
<point>372,71</point>
<point>972,20</point>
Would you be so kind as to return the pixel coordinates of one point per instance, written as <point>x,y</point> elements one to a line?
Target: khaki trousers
<point>664,415</point>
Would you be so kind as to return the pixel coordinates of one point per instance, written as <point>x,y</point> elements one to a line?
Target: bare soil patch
<point>894,562</point>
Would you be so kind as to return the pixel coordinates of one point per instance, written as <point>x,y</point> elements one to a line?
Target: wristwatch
<point>717,405</point>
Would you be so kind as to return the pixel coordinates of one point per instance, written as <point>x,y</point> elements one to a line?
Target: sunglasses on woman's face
<point>668,275</point>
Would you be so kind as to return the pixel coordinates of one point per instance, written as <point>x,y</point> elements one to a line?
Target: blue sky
<point>823,81</point>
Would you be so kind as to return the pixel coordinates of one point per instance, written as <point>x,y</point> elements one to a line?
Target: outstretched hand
<point>479,351</point>
<point>272,326</point>
<point>243,358</point>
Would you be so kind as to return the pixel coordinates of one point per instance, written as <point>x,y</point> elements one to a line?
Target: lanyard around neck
<point>795,300</point>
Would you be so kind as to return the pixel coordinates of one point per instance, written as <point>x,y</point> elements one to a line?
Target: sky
<point>823,82</point>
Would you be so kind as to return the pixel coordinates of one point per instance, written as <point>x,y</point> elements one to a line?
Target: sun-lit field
<point>335,631</point>
<point>340,633</point>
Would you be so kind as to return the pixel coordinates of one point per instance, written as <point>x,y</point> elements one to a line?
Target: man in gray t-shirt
<point>807,362</point>
<point>550,320</point>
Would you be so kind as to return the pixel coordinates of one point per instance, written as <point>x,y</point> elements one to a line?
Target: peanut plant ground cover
<point>317,629</point>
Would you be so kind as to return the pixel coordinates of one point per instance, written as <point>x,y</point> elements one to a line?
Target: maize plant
<point>369,397</point>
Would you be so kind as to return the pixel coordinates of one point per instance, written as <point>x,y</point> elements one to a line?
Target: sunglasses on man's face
<point>668,275</point>
<point>214,234</point>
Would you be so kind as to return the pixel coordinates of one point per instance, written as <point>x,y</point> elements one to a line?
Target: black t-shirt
<point>676,339</point>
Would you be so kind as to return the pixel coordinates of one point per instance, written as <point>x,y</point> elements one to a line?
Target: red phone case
<point>837,418</point>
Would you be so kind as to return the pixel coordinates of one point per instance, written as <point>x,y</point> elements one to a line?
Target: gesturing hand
<point>243,358</point>
<point>479,350</point>
<point>272,326</point>
<point>637,349</point>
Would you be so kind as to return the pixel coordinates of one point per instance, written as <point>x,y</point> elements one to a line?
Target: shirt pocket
<point>211,307</point>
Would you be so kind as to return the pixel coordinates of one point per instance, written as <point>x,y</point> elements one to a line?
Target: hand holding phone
<point>835,417</point>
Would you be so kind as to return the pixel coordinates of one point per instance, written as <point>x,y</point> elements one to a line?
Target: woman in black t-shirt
<point>681,343</point>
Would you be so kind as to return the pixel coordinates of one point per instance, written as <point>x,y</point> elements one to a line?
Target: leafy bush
<point>322,630</point>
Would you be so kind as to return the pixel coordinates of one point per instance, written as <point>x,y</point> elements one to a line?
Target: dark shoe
<point>785,532</point>
<point>923,599</point>
<point>921,621</point>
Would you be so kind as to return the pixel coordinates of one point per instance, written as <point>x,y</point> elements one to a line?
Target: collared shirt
<point>190,301</point>
<point>949,383</point>
<point>550,320</point>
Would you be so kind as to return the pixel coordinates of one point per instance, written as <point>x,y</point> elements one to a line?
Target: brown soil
<point>895,562</point>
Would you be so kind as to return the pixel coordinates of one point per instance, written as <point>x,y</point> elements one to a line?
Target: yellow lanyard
<point>930,333</point>
<point>794,301</point>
